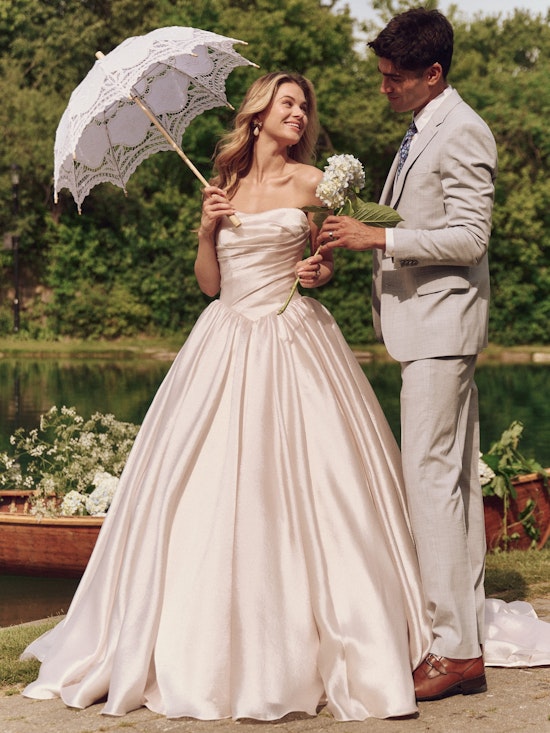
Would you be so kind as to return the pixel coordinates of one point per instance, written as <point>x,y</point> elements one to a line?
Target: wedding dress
<point>256,559</point>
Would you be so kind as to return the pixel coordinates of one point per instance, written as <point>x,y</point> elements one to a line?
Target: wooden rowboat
<point>531,507</point>
<point>57,547</point>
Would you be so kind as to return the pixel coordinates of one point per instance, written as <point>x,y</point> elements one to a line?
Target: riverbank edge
<point>166,350</point>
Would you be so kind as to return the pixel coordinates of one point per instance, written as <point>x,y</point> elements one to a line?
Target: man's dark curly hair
<point>416,39</point>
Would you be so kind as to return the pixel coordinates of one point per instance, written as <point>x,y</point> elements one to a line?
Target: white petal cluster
<point>344,175</point>
<point>486,473</point>
<point>73,504</point>
<point>101,497</point>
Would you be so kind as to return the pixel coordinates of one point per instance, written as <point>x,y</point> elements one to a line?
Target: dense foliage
<point>125,266</point>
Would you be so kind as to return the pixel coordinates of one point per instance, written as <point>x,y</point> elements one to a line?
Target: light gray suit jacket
<point>432,297</point>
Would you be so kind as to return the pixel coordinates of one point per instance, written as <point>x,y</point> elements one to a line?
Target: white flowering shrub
<point>70,463</point>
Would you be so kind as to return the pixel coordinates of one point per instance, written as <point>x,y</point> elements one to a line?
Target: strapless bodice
<point>257,259</point>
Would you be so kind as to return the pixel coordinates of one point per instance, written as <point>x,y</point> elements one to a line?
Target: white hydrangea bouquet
<point>338,189</point>
<point>71,464</point>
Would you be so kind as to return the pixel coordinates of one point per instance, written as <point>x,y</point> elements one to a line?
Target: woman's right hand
<point>215,205</point>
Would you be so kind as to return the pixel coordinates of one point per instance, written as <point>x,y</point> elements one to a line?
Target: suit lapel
<point>393,188</point>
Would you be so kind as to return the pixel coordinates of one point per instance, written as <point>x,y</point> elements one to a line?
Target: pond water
<point>29,387</point>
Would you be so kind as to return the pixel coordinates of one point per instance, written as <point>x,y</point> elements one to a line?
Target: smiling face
<point>410,90</point>
<point>286,117</point>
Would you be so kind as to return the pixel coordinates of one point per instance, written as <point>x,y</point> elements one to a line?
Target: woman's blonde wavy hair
<point>233,156</point>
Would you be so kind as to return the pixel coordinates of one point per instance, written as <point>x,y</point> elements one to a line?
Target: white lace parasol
<point>138,100</point>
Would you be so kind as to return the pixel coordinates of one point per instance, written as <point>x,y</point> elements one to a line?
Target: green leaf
<point>376,215</point>
<point>500,487</point>
<point>492,461</point>
<point>320,213</point>
<point>317,209</point>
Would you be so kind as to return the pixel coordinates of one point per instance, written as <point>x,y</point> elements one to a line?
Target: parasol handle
<point>160,127</point>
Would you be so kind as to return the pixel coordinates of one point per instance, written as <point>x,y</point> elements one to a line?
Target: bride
<point>257,558</point>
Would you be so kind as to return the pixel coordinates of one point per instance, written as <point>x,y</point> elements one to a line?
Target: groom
<point>430,306</point>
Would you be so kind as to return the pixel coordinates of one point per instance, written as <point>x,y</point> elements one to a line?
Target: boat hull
<point>57,547</point>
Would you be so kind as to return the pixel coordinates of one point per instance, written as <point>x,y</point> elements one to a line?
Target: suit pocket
<point>436,279</point>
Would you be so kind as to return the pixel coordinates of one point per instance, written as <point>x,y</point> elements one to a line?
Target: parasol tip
<point>99,55</point>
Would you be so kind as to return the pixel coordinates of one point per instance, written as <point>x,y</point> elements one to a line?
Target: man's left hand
<point>349,233</point>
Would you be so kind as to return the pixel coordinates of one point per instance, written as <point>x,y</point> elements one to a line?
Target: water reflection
<point>29,599</point>
<point>125,388</point>
<point>29,387</point>
<point>516,392</point>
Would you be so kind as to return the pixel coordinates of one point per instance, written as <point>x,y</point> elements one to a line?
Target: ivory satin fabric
<point>256,559</point>
<point>514,635</point>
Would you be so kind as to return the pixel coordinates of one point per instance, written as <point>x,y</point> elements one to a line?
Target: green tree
<point>502,70</point>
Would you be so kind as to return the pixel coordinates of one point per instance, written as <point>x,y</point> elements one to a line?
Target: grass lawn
<point>13,639</point>
<point>518,575</point>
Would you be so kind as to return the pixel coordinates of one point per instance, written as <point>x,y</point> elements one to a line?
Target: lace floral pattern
<point>177,72</point>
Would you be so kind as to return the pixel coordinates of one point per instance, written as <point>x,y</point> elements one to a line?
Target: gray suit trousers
<point>440,448</point>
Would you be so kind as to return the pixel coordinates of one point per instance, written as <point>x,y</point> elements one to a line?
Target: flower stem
<point>283,308</point>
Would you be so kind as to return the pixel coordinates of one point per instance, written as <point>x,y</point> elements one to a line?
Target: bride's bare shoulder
<point>308,178</point>
<point>309,174</point>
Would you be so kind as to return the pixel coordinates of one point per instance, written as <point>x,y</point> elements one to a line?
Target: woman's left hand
<point>308,271</point>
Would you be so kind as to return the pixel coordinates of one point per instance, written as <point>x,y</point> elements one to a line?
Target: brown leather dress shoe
<point>439,677</point>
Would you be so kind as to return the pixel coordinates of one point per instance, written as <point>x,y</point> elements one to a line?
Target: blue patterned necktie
<point>405,145</point>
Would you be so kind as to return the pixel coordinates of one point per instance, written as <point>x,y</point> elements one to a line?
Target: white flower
<point>68,412</point>
<point>106,480</point>
<point>7,461</point>
<point>486,474</point>
<point>44,507</point>
<point>73,503</point>
<point>101,497</point>
<point>47,485</point>
<point>87,440</point>
<point>344,176</point>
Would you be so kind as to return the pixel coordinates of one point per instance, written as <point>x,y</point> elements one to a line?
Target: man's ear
<point>434,74</point>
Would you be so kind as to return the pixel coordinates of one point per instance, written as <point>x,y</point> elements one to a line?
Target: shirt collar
<point>426,113</point>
